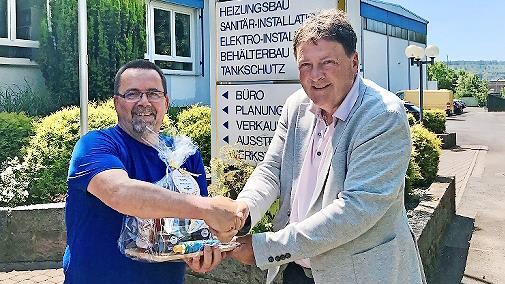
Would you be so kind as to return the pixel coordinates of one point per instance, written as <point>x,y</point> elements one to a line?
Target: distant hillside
<point>486,70</point>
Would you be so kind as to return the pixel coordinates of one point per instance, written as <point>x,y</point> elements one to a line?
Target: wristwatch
<point>247,227</point>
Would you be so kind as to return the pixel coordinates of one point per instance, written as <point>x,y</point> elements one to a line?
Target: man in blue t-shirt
<point>112,174</point>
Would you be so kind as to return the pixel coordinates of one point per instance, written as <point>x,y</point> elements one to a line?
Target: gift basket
<point>169,239</point>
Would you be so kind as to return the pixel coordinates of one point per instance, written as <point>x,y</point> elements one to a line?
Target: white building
<point>383,33</point>
<point>387,29</point>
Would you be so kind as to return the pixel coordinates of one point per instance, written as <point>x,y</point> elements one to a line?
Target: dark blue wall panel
<point>378,14</point>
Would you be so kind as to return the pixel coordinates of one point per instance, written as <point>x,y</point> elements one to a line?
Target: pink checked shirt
<point>317,152</point>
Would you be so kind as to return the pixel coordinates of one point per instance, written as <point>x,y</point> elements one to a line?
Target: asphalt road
<point>474,249</point>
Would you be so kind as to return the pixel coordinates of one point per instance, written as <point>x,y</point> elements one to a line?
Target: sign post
<point>255,69</point>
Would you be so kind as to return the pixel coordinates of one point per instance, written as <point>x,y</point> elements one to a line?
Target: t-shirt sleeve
<point>94,153</point>
<point>194,164</point>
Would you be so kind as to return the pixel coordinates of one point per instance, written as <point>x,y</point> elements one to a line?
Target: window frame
<point>151,51</point>
<point>12,41</point>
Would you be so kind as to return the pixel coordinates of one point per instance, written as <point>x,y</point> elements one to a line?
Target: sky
<point>463,29</point>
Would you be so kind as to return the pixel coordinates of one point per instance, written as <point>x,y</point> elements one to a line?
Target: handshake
<point>225,218</point>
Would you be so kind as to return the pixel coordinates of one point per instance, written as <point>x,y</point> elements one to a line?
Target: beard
<point>143,119</point>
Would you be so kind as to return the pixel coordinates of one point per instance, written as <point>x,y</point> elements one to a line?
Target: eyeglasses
<point>134,96</point>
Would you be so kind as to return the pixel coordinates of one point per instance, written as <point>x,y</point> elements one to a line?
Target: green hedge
<point>195,123</point>
<point>413,175</point>
<point>116,34</point>
<point>411,119</point>
<point>43,170</point>
<point>20,98</point>
<point>15,130</point>
<point>427,149</point>
<point>434,120</point>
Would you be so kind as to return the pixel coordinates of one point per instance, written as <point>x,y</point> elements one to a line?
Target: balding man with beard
<point>112,173</point>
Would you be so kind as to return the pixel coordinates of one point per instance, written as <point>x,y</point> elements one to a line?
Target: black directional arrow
<point>225,124</point>
<point>225,95</point>
<point>226,139</point>
<point>225,109</point>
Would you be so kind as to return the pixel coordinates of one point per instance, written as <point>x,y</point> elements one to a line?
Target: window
<point>417,37</point>
<point>376,26</point>
<point>19,30</point>
<point>172,38</point>
<point>397,32</point>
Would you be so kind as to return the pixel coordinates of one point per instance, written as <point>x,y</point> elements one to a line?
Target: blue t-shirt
<point>92,254</point>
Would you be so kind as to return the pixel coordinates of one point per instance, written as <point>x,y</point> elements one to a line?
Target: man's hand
<point>211,258</point>
<point>242,209</point>
<point>244,253</point>
<point>224,218</point>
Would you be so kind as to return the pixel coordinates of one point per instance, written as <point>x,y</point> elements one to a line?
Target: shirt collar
<point>343,111</point>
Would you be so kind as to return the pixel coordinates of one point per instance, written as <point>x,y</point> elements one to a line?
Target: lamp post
<point>416,56</point>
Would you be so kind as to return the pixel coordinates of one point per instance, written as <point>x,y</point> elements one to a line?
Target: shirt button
<point>277,258</point>
<point>319,134</point>
<point>283,257</point>
<point>288,255</point>
<point>318,153</point>
<point>270,259</point>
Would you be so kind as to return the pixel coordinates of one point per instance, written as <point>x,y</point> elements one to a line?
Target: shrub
<point>43,170</point>
<point>411,119</point>
<point>434,120</point>
<point>116,34</point>
<point>195,123</point>
<point>14,182</point>
<point>20,98</point>
<point>15,129</point>
<point>174,111</point>
<point>413,175</point>
<point>52,144</point>
<point>229,175</point>
<point>428,148</point>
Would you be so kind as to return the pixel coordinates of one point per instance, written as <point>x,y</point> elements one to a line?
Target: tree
<point>116,34</point>
<point>469,85</point>
<point>464,84</point>
<point>445,75</point>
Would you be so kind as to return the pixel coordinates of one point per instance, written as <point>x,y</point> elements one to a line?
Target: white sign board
<point>254,38</point>
<point>247,116</point>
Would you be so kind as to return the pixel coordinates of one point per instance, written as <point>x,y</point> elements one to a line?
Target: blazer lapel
<point>325,167</point>
<point>335,140</point>
<point>303,130</point>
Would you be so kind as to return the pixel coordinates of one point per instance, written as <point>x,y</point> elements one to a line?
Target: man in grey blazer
<point>337,162</point>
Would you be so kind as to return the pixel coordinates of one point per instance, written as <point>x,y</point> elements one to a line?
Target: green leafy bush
<point>43,170</point>
<point>411,119</point>
<point>20,98</point>
<point>15,130</point>
<point>51,148</point>
<point>195,123</point>
<point>413,175</point>
<point>15,178</point>
<point>427,147</point>
<point>116,35</point>
<point>229,175</point>
<point>434,120</point>
<point>174,111</point>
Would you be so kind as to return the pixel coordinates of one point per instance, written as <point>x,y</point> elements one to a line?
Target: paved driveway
<point>474,247</point>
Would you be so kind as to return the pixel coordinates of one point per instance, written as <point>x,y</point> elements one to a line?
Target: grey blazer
<point>357,229</point>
